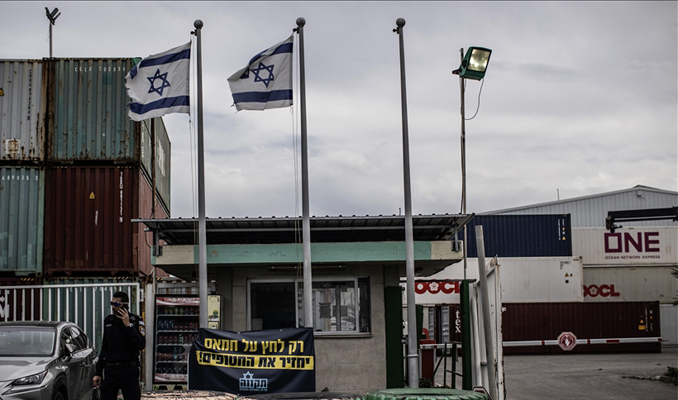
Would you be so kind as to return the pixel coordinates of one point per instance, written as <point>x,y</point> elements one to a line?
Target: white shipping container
<point>668,317</point>
<point>640,283</point>
<point>626,246</point>
<point>22,110</point>
<point>523,280</point>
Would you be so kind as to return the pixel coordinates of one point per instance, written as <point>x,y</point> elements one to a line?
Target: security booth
<point>357,262</point>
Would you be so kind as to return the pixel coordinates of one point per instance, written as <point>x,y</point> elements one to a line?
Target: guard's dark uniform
<point>119,359</point>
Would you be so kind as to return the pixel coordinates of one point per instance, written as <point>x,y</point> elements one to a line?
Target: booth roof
<point>267,230</point>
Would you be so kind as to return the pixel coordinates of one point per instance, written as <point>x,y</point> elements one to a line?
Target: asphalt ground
<point>627,376</point>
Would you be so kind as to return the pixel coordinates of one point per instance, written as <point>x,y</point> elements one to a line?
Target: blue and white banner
<point>159,84</point>
<point>266,81</point>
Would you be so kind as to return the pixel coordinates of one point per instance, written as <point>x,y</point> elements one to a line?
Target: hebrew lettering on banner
<point>256,362</point>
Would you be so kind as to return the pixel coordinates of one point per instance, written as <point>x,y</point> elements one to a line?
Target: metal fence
<point>86,305</point>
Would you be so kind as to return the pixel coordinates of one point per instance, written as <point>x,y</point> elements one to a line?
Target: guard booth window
<point>340,306</point>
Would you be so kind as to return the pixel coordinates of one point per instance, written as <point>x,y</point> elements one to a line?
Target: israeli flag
<point>159,84</point>
<point>266,81</point>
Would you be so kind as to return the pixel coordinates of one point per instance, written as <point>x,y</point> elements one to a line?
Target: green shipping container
<point>163,151</point>
<point>22,199</point>
<point>87,111</point>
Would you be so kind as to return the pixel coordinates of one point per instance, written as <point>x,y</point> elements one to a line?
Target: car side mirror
<point>69,349</point>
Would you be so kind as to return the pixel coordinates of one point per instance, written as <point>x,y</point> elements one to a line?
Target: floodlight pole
<point>412,350</point>
<point>462,85</point>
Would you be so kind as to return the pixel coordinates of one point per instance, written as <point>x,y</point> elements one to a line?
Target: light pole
<point>473,66</point>
<point>52,16</point>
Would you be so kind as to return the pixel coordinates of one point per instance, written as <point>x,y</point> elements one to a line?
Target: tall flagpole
<point>202,226</point>
<point>306,219</point>
<point>412,354</point>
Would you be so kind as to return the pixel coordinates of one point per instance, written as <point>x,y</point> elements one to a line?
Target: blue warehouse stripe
<point>262,97</point>
<point>168,102</point>
<point>167,59</point>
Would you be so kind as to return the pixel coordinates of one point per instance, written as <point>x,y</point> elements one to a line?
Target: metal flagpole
<point>202,227</point>
<point>412,354</point>
<point>306,219</point>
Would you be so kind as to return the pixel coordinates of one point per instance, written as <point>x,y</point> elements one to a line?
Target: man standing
<point>124,338</point>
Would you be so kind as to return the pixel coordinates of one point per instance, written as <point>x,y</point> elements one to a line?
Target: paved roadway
<point>587,376</point>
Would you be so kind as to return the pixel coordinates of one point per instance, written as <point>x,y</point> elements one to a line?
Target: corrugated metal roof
<point>591,211</point>
<point>178,231</point>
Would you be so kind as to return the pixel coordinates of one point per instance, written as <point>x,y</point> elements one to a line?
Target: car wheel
<point>58,395</point>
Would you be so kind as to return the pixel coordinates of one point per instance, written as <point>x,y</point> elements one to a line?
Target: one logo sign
<point>480,389</point>
<point>567,341</point>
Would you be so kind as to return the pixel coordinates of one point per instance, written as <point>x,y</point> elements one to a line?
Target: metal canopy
<point>184,231</point>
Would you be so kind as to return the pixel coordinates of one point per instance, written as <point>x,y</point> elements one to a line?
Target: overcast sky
<point>580,98</point>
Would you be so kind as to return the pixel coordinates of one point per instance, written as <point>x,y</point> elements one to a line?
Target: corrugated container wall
<point>521,235</point>
<point>163,153</point>
<point>88,228</point>
<point>627,246</point>
<point>87,111</point>
<point>23,110</point>
<point>525,280</point>
<point>21,219</point>
<point>87,220</point>
<point>545,321</point>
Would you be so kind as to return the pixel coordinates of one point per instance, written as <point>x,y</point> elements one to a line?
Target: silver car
<point>45,361</point>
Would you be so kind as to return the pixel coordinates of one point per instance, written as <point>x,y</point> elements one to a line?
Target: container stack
<point>75,170</point>
<point>553,279</point>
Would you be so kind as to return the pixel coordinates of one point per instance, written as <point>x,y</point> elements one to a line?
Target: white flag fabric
<point>159,84</point>
<point>266,81</point>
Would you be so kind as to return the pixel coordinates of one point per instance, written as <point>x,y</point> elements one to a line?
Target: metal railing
<point>86,305</point>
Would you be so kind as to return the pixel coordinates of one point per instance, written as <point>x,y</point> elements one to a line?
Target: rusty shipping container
<point>163,151</point>
<point>88,122</point>
<point>22,110</point>
<point>88,228</point>
<point>87,111</point>
<point>21,219</point>
<point>546,321</point>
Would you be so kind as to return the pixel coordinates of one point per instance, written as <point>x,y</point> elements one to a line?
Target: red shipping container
<point>546,321</point>
<point>88,228</point>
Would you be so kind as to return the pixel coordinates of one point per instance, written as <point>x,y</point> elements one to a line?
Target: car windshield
<point>26,340</point>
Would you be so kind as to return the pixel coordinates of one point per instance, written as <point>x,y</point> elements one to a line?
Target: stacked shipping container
<point>74,171</point>
<point>546,289</point>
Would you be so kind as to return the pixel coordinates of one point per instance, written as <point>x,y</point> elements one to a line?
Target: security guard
<point>124,338</point>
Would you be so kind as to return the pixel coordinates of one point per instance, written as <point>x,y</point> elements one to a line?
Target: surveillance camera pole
<point>51,16</point>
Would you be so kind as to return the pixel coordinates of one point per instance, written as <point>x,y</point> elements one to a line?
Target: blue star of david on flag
<point>149,88</point>
<point>260,70</point>
<point>163,78</point>
<point>273,68</point>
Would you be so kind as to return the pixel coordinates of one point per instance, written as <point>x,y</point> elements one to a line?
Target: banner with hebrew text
<point>255,362</point>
